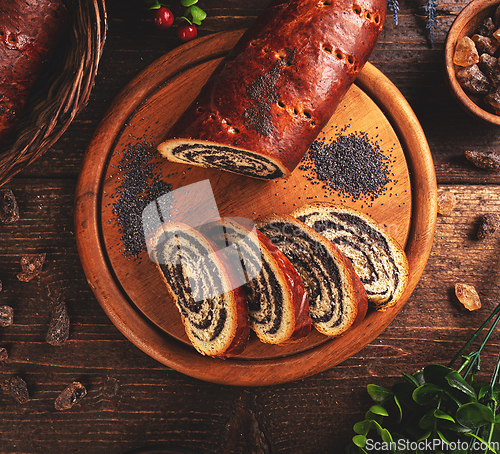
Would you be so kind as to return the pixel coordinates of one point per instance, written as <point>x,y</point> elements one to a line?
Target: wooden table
<point>133,401</point>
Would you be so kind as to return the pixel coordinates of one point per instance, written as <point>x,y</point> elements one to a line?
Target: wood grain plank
<point>156,405</point>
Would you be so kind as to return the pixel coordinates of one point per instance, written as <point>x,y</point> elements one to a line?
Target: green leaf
<point>386,436</point>
<point>188,3</point>
<point>474,415</point>
<point>453,426</point>
<point>359,441</point>
<point>425,436</point>
<point>198,14</point>
<point>403,391</point>
<point>482,441</point>
<point>412,379</point>
<point>379,394</point>
<point>379,410</point>
<point>427,421</point>
<point>436,374</point>
<point>439,414</point>
<point>154,5</point>
<point>442,437</point>
<point>456,381</point>
<point>496,434</point>
<point>400,410</point>
<point>482,391</point>
<point>374,417</point>
<point>362,427</point>
<point>426,393</point>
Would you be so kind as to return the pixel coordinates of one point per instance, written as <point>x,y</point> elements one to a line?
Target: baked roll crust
<point>29,32</point>
<point>270,97</point>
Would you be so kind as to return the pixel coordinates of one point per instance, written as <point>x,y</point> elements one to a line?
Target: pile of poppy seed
<point>351,165</point>
<point>140,186</point>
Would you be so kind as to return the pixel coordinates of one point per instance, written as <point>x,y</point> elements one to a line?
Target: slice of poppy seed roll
<point>213,307</point>
<point>337,299</point>
<point>270,97</point>
<point>379,260</point>
<point>277,302</point>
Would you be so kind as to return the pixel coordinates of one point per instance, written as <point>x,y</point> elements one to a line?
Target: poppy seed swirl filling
<point>266,315</point>
<point>232,159</point>
<point>184,262</point>
<point>367,249</point>
<point>317,269</point>
<point>264,294</point>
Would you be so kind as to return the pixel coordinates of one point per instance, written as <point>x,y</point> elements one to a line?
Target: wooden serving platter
<point>129,288</point>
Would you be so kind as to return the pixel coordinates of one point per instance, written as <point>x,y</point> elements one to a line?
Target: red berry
<point>163,18</point>
<point>186,32</point>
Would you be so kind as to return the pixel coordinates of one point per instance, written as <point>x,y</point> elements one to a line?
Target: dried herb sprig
<point>393,6</point>
<point>437,409</point>
<point>430,8</point>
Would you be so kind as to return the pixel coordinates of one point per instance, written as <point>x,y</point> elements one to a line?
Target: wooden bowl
<point>61,92</point>
<point>465,24</point>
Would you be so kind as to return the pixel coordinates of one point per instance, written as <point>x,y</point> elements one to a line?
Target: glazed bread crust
<point>29,31</point>
<point>272,95</point>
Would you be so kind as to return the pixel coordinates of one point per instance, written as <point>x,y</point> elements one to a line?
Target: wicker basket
<point>62,91</point>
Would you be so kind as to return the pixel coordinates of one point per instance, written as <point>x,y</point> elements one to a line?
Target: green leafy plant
<point>193,14</point>
<point>438,409</point>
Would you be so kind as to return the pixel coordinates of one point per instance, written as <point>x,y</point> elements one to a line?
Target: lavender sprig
<point>430,18</point>
<point>393,6</point>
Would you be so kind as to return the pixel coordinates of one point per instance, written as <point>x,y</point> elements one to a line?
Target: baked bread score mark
<point>29,33</point>
<point>378,259</point>
<point>269,98</point>
<point>211,302</point>
<point>337,299</point>
<point>277,301</point>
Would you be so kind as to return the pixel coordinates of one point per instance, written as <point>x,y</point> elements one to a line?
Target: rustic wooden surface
<point>133,400</point>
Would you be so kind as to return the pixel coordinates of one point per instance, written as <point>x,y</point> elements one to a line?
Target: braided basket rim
<point>56,103</point>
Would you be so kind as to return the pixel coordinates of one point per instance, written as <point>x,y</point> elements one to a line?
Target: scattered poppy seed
<point>140,186</point>
<point>350,164</point>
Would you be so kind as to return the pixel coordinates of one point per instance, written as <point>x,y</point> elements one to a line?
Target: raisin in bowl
<point>472,52</point>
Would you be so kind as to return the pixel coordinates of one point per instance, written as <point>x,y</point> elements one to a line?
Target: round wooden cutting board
<point>125,280</point>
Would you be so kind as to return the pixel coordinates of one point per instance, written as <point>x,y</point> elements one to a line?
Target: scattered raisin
<point>4,355</point>
<point>17,388</point>
<point>58,332</point>
<point>446,202</point>
<point>9,211</point>
<point>6,316</point>
<point>31,265</point>
<point>489,224</point>
<point>73,394</point>
<point>489,160</point>
<point>468,296</point>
